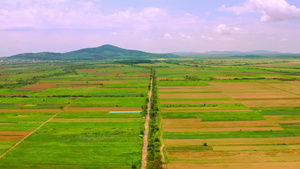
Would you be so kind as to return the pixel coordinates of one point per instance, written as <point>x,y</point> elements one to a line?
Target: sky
<point>159,26</point>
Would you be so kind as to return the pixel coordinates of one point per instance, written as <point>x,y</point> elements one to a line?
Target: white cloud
<point>271,10</point>
<point>284,39</point>
<point>66,14</point>
<point>184,36</point>
<point>208,38</point>
<point>177,36</point>
<point>81,14</point>
<point>227,30</point>
<point>168,36</point>
<point>223,29</point>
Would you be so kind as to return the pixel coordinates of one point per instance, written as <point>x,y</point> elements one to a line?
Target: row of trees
<point>154,144</point>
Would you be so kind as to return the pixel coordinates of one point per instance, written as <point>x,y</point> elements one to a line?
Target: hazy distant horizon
<point>157,26</point>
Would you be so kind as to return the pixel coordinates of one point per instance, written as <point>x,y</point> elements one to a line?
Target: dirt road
<point>145,139</point>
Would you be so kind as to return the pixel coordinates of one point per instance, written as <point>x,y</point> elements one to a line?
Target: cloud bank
<point>271,10</point>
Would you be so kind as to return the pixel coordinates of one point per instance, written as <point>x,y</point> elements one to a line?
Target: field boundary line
<point>19,142</point>
<point>163,159</point>
<point>278,88</point>
<point>145,138</point>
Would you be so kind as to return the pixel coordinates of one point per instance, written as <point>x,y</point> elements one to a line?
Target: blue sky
<point>149,25</point>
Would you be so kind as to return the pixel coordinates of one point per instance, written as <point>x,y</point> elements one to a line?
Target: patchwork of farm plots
<point>229,124</point>
<point>64,121</point>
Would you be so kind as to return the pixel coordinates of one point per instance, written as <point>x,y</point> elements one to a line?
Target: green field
<point>210,113</point>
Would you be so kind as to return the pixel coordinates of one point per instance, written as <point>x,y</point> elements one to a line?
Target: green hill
<point>105,52</point>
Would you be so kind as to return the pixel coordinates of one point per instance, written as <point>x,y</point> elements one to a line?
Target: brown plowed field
<point>284,118</point>
<point>161,78</point>
<point>38,86</point>
<point>195,129</point>
<point>10,138</point>
<point>234,141</point>
<point>197,123</point>
<point>258,165</point>
<point>193,95</point>
<point>238,156</point>
<point>287,86</point>
<point>272,103</point>
<point>251,148</point>
<point>14,133</point>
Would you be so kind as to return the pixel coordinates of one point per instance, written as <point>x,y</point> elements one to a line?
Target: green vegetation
<point>216,116</point>
<point>109,102</point>
<point>229,134</point>
<point>191,148</point>
<point>154,144</point>
<point>87,145</point>
<point>85,135</point>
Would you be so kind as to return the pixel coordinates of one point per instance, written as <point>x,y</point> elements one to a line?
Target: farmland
<point>206,113</point>
<point>237,116</point>
<point>59,118</point>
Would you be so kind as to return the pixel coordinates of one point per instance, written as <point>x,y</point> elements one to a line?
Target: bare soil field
<point>223,78</point>
<point>161,78</point>
<point>287,86</point>
<point>14,133</point>
<point>196,123</point>
<point>10,138</point>
<point>189,129</point>
<point>238,156</point>
<point>5,75</point>
<point>193,95</point>
<point>251,148</point>
<point>294,147</point>
<point>38,86</point>
<point>259,165</point>
<point>272,103</point>
<point>235,141</point>
<point>284,118</point>
<point>271,94</point>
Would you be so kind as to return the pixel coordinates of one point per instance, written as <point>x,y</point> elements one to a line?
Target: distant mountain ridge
<point>227,53</point>
<point>105,52</point>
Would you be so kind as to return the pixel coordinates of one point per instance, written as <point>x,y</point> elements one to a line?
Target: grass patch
<point>203,106</point>
<point>96,114</point>
<point>189,148</point>
<point>280,112</point>
<point>230,134</point>
<point>109,102</point>
<point>216,116</point>
<point>182,83</point>
<point>102,145</point>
